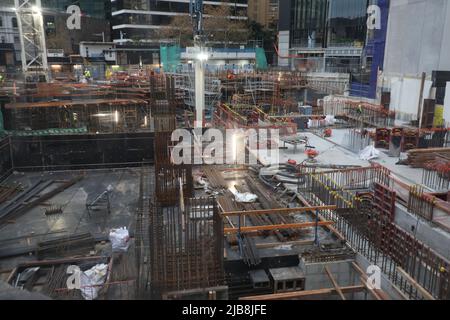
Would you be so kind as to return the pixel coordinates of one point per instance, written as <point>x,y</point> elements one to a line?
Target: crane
<point>32,38</point>
<point>196,12</point>
<point>201,55</point>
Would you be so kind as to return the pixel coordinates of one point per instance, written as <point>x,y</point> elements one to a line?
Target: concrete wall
<point>386,284</point>
<point>342,271</point>
<point>434,237</point>
<point>418,38</point>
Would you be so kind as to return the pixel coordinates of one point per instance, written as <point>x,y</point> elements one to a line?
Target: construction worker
<point>87,74</point>
<point>359,109</point>
<point>443,270</point>
<point>108,74</point>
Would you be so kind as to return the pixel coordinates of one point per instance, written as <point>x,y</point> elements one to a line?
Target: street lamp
<point>202,56</point>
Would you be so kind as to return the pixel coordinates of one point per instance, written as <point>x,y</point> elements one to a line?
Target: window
<point>16,39</point>
<point>1,22</point>
<point>280,286</point>
<point>14,22</point>
<point>290,285</point>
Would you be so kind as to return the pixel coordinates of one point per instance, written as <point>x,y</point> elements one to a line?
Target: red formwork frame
<point>384,201</point>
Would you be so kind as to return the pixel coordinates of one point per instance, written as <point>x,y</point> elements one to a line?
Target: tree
<point>268,37</point>
<point>179,29</point>
<point>218,27</point>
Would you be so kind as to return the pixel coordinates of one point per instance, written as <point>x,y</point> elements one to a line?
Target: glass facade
<point>328,23</point>
<point>308,23</point>
<point>347,22</point>
<point>154,15</point>
<point>92,8</point>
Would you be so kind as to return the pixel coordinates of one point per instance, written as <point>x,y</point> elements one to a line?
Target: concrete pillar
<point>199,93</point>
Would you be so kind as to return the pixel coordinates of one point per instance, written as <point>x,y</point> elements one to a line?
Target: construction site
<point>292,187</point>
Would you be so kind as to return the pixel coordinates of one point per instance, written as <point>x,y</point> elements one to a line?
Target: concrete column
<point>199,93</point>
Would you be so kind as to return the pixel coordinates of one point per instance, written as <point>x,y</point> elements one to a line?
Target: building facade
<point>265,12</point>
<point>60,41</point>
<point>332,36</point>
<point>325,35</point>
<point>141,20</point>
<point>89,8</point>
<point>9,35</point>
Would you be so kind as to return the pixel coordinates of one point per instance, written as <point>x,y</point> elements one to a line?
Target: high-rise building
<point>315,28</point>
<point>265,12</point>
<point>332,36</point>
<point>141,20</point>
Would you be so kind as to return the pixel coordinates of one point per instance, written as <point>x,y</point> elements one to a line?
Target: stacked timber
<point>417,158</point>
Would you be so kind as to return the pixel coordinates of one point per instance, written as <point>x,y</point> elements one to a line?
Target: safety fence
<point>359,112</point>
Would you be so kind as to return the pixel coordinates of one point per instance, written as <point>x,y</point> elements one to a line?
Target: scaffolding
<point>185,82</point>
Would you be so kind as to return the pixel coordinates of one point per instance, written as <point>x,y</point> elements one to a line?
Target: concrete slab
<point>35,226</point>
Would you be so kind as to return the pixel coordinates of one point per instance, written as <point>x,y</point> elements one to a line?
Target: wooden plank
<point>277,227</point>
<point>335,284</point>
<point>304,294</point>
<point>278,211</point>
<point>414,283</point>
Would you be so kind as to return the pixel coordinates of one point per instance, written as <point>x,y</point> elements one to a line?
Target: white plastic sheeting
<point>120,239</point>
<point>447,104</point>
<point>92,281</point>
<point>405,94</point>
<point>245,197</point>
<point>369,153</point>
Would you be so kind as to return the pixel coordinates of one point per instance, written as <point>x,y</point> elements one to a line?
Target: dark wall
<point>5,159</point>
<point>59,37</point>
<point>82,151</point>
<point>284,15</point>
